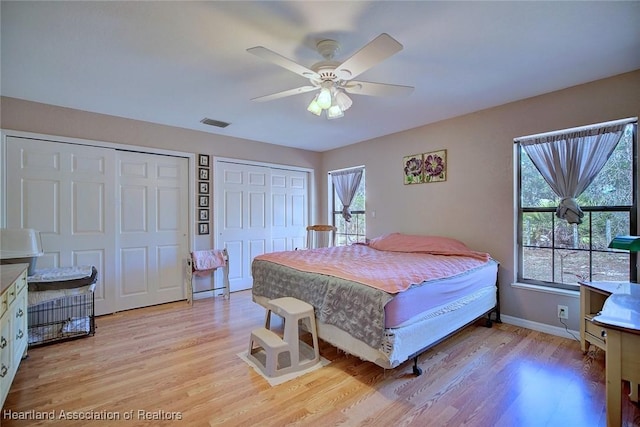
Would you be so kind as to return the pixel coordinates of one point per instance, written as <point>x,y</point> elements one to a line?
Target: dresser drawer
<point>4,303</point>
<point>594,334</point>
<point>8,297</point>
<point>20,284</point>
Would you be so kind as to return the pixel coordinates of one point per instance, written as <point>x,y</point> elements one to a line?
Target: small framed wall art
<point>203,160</point>
<point>435,166</point>
<point>203,193</point>
<point>413,169</point>
<point>203,174</point>
<point>203,228</point>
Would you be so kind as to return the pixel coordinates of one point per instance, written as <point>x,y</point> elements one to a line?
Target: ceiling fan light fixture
<point>334,79</point>
<point>324,98</point>
<point>314,107</point>
<point>343,101</point>
<point>334,112</point>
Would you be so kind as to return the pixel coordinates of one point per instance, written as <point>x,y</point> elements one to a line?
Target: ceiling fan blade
<point>377,89</point>
<point>280,60</point>
<point>371,54</point>
<point>289,92</point>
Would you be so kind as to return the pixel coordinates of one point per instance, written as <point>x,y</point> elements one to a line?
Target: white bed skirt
<point>401,343</point>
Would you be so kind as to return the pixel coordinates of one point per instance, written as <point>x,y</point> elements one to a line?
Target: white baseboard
<point>202,295</point>
<point>541,327</point>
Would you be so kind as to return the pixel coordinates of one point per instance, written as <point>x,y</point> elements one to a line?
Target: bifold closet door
<point>289,204</point>
<point>152,218</point>
<point>259,209</point>
<point>124,212</point>
<point>243,207</point>
<point>66,192</point>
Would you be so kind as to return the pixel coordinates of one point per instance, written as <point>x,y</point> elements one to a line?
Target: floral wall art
<point>426,167</point>
<point>413,167</point>
<point>435,166</point>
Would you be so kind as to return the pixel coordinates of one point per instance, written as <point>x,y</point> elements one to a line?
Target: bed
<point>389,300</point>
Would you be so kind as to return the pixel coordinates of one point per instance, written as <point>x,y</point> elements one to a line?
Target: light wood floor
<point>180,362</point>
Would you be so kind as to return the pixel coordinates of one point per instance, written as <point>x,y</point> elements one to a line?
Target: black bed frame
<point>417,371</point>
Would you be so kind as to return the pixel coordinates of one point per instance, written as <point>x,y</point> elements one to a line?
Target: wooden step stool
<point>277,356</point>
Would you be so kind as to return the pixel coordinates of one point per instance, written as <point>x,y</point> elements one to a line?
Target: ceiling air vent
<point>217,123</point>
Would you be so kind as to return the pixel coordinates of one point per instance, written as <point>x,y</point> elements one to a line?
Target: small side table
<point>620,318</point>
<point>592,298</point>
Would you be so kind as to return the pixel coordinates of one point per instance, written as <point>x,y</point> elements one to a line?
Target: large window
<point>354,230</point>
<point>554,252</point>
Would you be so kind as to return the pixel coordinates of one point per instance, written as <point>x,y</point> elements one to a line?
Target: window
<point>553,252</point>
<point>349,231</point>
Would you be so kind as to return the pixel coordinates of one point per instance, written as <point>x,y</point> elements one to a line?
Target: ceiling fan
<point>334,79</point>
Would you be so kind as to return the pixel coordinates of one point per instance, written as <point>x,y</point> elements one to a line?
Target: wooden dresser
<point>13,323</point>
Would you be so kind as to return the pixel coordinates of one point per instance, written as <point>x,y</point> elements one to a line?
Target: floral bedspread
<point>389,271</point>
<point>352,307</point>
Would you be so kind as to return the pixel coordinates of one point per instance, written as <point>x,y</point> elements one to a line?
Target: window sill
<point>546,289</point>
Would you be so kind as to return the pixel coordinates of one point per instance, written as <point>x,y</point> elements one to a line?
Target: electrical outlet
<point>563,312</point>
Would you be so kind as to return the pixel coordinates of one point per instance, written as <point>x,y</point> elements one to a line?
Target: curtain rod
<point>577,129</point>
<point>346,169</point>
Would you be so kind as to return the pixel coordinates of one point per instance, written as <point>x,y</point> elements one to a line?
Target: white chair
<point>206,262</point>
<point>321,235</point>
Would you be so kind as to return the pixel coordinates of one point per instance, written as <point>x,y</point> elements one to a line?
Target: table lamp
<point>631,244</point>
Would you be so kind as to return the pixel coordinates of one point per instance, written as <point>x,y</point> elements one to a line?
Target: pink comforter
<point>389,271</point>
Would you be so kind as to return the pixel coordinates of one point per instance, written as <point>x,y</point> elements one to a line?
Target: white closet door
<point>289,205</point>
<point>243,206</point>
<point>125,213</point>
<point>153,226</point>
<point>65,191</point>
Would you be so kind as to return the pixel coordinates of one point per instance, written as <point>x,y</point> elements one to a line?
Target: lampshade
<point>628,243</point>
<point>343,101</point>
<point>332,99</point>
<point>334,112</point>
<point>314,107</point>
<point>324,98</point>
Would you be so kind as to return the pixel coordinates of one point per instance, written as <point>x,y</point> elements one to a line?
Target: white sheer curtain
<point>570,161</point>
<point>347,183</point>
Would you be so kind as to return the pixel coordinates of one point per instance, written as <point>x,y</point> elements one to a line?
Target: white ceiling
<point>177,62</point>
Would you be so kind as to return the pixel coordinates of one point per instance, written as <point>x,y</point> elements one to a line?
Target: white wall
<point>475,204</point>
